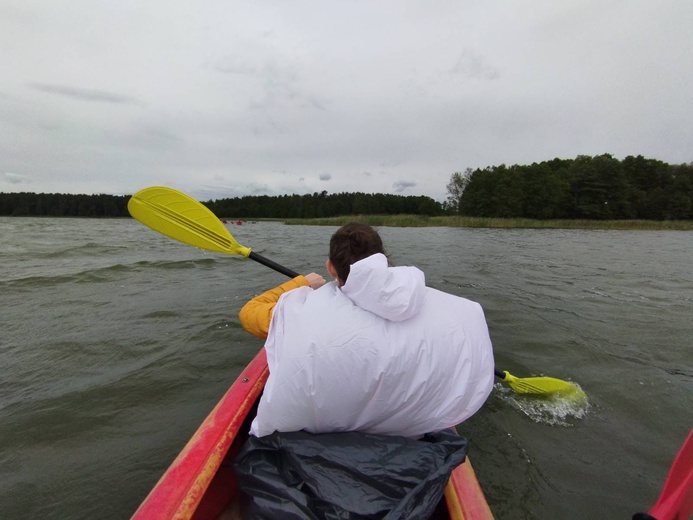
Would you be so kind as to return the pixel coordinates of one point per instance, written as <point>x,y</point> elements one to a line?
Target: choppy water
<point>116,342</point>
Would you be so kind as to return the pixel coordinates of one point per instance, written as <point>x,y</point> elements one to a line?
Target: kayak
<point>200,483</point>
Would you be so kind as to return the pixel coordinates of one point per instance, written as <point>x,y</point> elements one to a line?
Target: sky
<point>227,98</point>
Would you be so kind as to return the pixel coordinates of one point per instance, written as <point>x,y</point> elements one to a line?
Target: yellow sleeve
<point>256,315</point>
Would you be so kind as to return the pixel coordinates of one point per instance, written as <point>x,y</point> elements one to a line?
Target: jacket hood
<point>393,293</point>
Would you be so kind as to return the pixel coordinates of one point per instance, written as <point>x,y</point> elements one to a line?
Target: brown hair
<point>353,242</point>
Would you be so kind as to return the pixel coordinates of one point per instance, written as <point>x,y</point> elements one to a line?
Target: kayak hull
<point>201,485</point>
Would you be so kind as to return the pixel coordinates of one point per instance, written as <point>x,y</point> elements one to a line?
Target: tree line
<point>319,205</point>
<point>598,188</point>
<point>314,205</point>
<point>26,204</point>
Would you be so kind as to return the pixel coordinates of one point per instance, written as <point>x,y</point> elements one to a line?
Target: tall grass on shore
<point>476,222</point>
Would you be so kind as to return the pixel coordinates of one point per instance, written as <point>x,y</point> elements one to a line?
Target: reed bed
<point>477,222</point>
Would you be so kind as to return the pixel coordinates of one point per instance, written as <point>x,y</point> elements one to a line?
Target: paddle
<point>539,385</point>
<point>676,499</point>
<point>183,218</point>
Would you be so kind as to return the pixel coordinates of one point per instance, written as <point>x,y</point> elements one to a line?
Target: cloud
<point>325,176</point>
<point>274,79</point>
<point>214,191</point>
<point>400,186</point>
<point>15,178</point>
<point>82,94</point>
<point>474,66</point>
<point>276,93</point>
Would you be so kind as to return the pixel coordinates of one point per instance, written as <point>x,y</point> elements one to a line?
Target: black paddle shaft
<point>273,265</point>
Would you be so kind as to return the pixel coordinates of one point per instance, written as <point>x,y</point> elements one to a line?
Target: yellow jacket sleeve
<point>255,316</point>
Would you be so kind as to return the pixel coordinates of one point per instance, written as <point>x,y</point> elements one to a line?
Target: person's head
<point>349,244</point>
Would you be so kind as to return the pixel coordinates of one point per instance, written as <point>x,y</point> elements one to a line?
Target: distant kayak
<point>201,483</point>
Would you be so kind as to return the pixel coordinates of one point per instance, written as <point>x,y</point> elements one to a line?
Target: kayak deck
<point>200,484</point>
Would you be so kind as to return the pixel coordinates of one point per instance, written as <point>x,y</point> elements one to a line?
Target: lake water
<point>115,343</point>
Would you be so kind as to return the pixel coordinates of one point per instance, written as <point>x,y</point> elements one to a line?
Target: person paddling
<point>374,351</point>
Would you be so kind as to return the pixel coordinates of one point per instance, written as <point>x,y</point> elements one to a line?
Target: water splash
<point>555,410</point>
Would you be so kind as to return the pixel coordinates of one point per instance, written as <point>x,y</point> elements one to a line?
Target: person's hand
<point>315,280</point>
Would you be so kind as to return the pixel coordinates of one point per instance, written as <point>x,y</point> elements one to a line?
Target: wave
<point>95,391</point>
<point>90,248</point>
<point>179,264</point>
<point>104,274</point>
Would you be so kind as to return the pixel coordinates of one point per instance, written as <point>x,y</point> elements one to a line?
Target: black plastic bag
<point>346,476</point>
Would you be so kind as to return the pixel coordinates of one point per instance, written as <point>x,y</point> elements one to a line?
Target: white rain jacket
<point>384,354</point>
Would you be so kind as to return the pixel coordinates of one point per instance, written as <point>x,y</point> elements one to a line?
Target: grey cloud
<point>82,94</point>
<point>258,188</point>
<point>15,178</point>
<point>400,186</point>
<point>474,66</point>
<point>277,82</point>
<point>229,66</point>
<point>211,192</point>
<point>325,176</point>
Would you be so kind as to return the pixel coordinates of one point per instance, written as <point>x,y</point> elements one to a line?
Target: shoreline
<point>497,223</point>
<point>447,221</point>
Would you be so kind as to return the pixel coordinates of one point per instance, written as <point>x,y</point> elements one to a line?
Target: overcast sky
<point>229,98</point>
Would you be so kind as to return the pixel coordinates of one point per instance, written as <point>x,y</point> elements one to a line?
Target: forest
<point>593,188</point>
<point>320,205</point>
<point>27,204</point>
<point>316,205</point>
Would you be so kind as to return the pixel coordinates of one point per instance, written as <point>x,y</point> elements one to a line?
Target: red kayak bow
<point>676,499</point>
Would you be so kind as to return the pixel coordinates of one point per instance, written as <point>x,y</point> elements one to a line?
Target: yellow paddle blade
<point>542,386</point>
<point>182,218</point>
